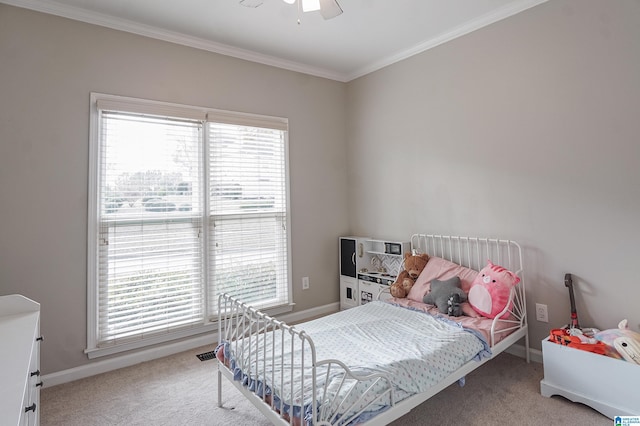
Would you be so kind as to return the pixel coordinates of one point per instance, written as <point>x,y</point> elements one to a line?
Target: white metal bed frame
<point>238,320</point>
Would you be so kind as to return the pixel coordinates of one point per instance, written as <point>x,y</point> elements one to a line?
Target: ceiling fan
<point>328,8</point>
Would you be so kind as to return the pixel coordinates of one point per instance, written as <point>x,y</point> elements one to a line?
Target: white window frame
<point>167,109</point>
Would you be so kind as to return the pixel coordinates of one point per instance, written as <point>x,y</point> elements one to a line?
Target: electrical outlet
<point>305,283</point>
<point>541,312</point>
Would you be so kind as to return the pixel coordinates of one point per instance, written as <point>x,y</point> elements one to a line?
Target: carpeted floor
<point>182,390</point>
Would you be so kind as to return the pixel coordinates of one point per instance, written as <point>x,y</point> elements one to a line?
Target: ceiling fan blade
<point>330,9</point>
<point>251,3</point>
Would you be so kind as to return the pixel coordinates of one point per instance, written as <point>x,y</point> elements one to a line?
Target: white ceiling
<point>369,35</point>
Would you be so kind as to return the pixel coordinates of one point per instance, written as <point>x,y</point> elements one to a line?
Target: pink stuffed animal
<point>490,291</point>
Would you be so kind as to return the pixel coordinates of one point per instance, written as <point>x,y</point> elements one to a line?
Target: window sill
<point>212,327</point>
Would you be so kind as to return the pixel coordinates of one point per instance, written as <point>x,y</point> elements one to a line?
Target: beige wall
<point>48,67</point>
<point>527,129</point>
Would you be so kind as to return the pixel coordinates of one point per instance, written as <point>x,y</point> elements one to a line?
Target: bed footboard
<point>275,366</point>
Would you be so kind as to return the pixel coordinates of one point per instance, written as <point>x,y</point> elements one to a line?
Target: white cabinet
<point>388,248</point>
<point>372,291</point>
<point>348,292</point>
<point>20,360</point>
<point>364,256</point>
<point>352,258</point>
<point>606,384</point>
<point>385,255</point>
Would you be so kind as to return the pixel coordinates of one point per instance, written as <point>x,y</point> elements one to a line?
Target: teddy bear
<point>413,265</point>
<point>446,295</point>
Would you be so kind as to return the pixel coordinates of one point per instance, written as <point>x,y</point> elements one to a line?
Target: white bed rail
<point>473,253</point>
<point>264,341</point>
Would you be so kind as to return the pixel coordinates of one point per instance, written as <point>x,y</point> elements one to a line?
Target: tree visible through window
<point>187,205</point>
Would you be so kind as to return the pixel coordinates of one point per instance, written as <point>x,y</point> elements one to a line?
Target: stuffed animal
<point>446,296</point>
<point>413,265</point>
<point>622,342</point>
<point>490,291</point>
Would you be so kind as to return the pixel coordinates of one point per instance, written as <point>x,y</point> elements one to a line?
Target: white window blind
<point>248,213</point>
<point>150,270</point>
<point>184,209</point>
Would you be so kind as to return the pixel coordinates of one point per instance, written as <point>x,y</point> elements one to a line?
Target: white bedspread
<point>415,350</point>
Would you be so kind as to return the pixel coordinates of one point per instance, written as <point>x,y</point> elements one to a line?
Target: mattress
<point>415,350</point>
<point>480,324</point>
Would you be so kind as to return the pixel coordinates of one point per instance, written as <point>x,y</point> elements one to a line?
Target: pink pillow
<point>441,269</point>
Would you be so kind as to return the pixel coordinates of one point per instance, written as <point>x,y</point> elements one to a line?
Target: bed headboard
<point>473,252</point>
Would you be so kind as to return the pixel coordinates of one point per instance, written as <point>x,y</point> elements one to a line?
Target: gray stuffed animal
<point>446,296</point>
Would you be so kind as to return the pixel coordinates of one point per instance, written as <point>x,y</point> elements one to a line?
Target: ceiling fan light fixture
<point>329,8</point>
<point>251,3</point>
<point>310,5</point>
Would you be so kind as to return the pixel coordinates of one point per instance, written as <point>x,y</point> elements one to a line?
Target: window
<point>185,204</point>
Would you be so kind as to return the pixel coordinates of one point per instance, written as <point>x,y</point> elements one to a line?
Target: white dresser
<point>19,360</point>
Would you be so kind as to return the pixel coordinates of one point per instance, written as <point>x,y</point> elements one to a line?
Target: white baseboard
<point>126,360</point>
<point>160,351</point>
<point>519,350</point>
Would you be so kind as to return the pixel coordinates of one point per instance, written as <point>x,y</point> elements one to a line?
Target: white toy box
<point>606,384</point>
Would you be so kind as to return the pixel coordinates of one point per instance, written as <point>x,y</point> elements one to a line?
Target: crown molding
<point>466,28</point>
<point>95,18</point>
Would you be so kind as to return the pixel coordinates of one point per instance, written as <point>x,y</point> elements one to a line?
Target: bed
<point>373,363</point>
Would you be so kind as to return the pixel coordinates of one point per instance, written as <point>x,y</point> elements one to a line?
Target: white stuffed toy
<point>624,342</point>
